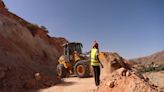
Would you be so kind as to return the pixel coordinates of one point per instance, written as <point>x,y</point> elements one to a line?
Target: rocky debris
<point>122,71</point>
<point>122,78</point>
<point>110,83</point>
<point>128,73</point>
<point>120,83</point>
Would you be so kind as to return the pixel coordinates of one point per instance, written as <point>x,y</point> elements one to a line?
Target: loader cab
<point>70,48</point>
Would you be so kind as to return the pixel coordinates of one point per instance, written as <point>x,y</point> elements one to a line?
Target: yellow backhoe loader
<point>73,61</point>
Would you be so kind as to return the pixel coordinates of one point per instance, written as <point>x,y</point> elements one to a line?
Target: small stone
<point>37,76</point>
<point>121,71</point>
<point>128,73</point>
<point>146,79</point>
<point>110,84</point>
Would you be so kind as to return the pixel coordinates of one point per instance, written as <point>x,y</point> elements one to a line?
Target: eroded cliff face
<point>28,55</point>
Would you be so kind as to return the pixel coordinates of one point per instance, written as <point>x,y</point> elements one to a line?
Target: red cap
<point>96,45</point>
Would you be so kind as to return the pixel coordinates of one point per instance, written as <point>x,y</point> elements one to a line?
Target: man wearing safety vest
<point>95,63</point>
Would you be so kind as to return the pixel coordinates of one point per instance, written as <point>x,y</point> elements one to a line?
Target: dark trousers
<point>96,70</point>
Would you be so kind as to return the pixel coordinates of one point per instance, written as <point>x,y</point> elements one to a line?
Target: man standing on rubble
<point>95,63</point>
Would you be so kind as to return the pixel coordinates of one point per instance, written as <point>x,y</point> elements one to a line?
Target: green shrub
<point>151,69</point>
<point>32,27</point>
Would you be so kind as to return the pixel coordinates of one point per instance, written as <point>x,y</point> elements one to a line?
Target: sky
<point>132,28</point>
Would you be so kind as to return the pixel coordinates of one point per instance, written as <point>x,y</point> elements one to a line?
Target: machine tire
<point>61,71</point>
<point>82,69</point>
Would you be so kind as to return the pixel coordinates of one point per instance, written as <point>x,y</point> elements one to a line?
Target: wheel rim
<point>80,69</point>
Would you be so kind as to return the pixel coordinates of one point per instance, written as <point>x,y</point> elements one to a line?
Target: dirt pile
<point>123,80</point>
<point>120,77</point>
<point>111,62</point>
<point>28,55</point>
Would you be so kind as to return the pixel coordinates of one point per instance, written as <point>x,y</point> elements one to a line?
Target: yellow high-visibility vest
<point>94,61</point>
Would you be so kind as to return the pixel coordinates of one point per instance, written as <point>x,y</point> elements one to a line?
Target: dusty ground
<point>156,78</point>
<point>73,84</point>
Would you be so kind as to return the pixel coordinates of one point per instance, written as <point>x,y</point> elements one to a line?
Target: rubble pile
<point>122,78</point>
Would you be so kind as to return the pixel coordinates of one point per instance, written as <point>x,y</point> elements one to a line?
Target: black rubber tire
<point>84,66</point>
<point>61,71</point>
